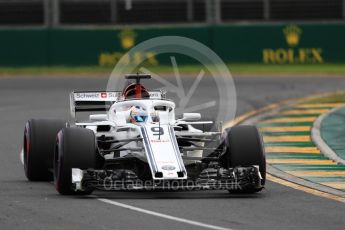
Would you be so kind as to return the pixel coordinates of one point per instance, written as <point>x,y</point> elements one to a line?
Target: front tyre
<point>244,147</point>
<point>75,148</point>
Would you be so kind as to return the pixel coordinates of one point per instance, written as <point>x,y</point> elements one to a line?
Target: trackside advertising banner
<point>254,43</point>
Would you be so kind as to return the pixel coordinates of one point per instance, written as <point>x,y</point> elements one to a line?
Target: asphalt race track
<point>27,205</point>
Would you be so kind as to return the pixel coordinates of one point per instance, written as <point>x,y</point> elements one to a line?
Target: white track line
<point>174,218</point>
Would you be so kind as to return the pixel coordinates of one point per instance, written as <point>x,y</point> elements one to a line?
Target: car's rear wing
<point>89,101</point>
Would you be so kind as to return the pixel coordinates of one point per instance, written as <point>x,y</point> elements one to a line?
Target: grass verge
<point>235,68</point>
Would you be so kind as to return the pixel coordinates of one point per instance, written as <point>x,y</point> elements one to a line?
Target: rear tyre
<point>75,148</point>
<point>244,147</point>
<point>38,148</point>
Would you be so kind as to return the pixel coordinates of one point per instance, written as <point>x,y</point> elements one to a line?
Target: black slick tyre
<point>244,147</point>
<point>38,148</point>
<point>75,148</point>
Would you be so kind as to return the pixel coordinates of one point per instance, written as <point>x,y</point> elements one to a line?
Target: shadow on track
<point>178,195</point>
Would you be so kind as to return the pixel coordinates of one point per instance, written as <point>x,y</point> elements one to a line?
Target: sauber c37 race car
<point>138,144</point>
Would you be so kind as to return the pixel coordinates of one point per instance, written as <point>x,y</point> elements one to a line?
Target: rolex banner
<point>281,44</point>
<point>295,43</point>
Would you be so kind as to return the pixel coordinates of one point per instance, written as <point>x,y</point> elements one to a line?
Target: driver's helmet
<point>138,114</point>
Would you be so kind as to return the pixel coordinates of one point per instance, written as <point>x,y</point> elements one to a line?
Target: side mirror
<point>191,116</point>
<point>98,117</point>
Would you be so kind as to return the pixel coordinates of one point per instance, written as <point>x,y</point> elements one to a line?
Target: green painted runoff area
<point>333,131</point>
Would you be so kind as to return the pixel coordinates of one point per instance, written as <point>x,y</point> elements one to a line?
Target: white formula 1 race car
<point>139,144</point>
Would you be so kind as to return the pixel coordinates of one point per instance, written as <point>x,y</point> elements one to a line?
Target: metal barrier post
<point>213,11</point>
<point>217,11</point>
<point>266,4</point>
<point>55,13</point>
<point>113,11</point>
<point>47,13</point>
<point>190,10</point>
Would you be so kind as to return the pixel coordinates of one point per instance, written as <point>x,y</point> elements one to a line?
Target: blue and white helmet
<point>138,114</point>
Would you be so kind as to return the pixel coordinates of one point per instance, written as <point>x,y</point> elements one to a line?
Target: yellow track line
<point>305,189</point>
<point>287,138</point>
<point>288,149</point>
<point>336,185</point>
<point>285,129</point>
<point>300,161</point>
<point>290,119</point>
<point>320,173</point>
<point>321,105</point>
<point>302,112</point>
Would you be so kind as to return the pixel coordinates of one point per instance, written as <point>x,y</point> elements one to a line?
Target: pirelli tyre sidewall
<point>244,147</point>
<point>75,148</point>
<point>38,147</point>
